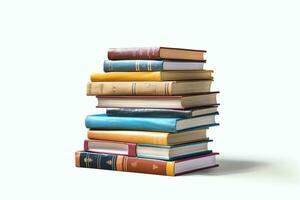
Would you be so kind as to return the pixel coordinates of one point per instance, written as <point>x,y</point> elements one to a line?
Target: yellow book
<point>152,76</point>
<point>149,137</point>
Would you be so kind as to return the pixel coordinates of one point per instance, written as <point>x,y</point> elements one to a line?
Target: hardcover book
<point>161,152</point>
<point>152,76</point>
<point>155,53</point>
<point>148,88</point>
<point>149,65</point>
<point>168,102</point>
<point>141,165</point>
<point>149,137</point>
<point>172,125</point>
<point>111,147</point>
<point>148,112</point>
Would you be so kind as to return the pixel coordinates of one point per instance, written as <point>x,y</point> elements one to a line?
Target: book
<point>149,112</point>
<point>152,76</point>
<point>173,152</point>
<point>171,125</point>
<point>111,147</point>
<point>148,88</point>
<point>149,65</point>
<point>155,53</point>
<point>149,137</point>
<point>141,165</point>
<point>169,102</point>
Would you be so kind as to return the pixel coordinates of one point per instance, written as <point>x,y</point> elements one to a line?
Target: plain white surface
<point>49,48</point>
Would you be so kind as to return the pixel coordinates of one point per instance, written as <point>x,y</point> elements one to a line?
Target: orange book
<point>152,76</point>
<point>149,137</point>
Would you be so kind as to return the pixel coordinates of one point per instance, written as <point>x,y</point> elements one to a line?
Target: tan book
<point>148,88</point>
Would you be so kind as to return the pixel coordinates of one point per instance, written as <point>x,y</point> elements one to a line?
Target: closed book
<point>166,102</point>
<point>141,165</point>
<point>155,53</point>
<point>172,125</point>
<point>173,152</point>
<point>149,65</point>
<point>152,76</point>
<point>149,112</point>
<point>149,137</point>
<point>105,146</point>
<point>148,88</point>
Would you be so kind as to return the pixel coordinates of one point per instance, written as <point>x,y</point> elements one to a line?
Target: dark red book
<point>155,53</point>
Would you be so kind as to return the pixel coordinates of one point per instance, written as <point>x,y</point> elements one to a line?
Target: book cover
<point>102,121</point>
<point>134,164</point>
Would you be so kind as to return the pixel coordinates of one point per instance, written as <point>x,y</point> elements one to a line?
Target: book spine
<point>132,112</point>
<point>129,88</point>
<point>132,65</point>
<point>96,160</point>
<point>148,53</point>
<point>140,137</point>
<point>124,163</point>
<point>123,76</point>
<point>131,123</point>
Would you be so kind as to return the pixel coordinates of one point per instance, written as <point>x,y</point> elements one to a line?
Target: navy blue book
<point>149,65</point>
<point>173,152</point>
<point>171,125</point>
<point>144,112</point>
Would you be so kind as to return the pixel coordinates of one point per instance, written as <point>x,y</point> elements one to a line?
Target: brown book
<point>94,160</point>
<point>155,53</point>
<point>148,88</point>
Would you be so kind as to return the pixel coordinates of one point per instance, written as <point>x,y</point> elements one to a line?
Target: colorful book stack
<point>159,106</point>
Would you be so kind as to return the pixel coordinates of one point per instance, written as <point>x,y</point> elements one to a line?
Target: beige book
<point>148,88</point>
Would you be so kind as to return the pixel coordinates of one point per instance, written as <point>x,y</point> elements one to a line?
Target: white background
<point>48,49</point>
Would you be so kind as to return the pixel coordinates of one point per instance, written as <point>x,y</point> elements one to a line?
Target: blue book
<point>171,125</point>
<point>149,65</point>
<point>173,152</point>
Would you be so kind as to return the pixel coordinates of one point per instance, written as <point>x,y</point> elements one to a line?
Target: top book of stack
<point>155,53</point>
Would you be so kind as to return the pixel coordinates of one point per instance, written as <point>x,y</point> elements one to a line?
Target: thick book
<point>149,65</point>
<point>155,53</point>
<point>149,112</point>
<point>111,147</point>
<point>166,88</point>
<point>142,165</point>
<point>149,137</point>
<point>171,125</point>
<point>152,76</point>
<point>168,102</point>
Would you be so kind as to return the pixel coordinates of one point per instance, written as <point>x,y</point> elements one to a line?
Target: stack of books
<point>159,106</point>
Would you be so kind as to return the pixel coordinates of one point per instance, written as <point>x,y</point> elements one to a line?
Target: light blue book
<point>171,125</point>
<point>149,65</point>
